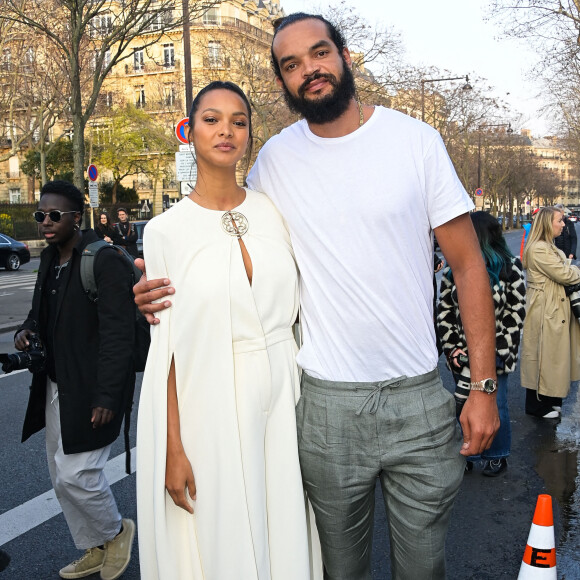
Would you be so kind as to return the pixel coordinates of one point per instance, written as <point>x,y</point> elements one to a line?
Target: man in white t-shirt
<point>362,190</point>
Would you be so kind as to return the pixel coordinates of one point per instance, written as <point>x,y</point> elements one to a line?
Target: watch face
<point>489,386</point>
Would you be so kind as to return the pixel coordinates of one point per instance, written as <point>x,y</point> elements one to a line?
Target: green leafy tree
<point>129,143</point>
<point>122,194</point>
<point>59,161</point>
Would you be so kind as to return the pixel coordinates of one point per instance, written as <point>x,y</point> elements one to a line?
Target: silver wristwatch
<point>488,386</point>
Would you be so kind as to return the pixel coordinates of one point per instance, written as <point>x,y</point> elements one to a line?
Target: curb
<point>10,326</point>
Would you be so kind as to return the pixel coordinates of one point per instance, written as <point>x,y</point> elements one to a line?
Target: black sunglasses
<point>54,215</point>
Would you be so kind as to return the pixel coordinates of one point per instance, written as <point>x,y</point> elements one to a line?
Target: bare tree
<point>90,37</point>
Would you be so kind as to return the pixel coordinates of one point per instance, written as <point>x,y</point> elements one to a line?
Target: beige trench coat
<point>551,341</point>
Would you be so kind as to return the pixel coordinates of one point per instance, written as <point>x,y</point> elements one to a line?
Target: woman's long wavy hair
<point>541,231</point>
<point>494,249</point>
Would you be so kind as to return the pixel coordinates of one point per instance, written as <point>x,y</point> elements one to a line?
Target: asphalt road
<point>488,531</point>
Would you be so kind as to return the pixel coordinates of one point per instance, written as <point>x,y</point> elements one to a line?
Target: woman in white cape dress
<point>219,492</point>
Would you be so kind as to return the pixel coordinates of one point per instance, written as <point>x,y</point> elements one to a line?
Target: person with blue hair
<point>508,289</point>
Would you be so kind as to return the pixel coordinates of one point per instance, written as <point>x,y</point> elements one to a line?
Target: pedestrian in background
<point>127,233</point>
<point>105,230</point>
<point>551,338</point>
<point>508,290</point>
<point>567,240</point>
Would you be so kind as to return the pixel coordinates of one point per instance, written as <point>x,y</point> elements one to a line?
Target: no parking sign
<point>182,130</point>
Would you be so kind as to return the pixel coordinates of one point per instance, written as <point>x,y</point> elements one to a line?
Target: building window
<point>101,25</point>
<point>140,101</point>
<point>212,16</point>
<point>214,51</point>
<point>139,60</point>
<point>168,55</point>
<point>169,95</point>
<point>15,195</point>
<point>6,59</point>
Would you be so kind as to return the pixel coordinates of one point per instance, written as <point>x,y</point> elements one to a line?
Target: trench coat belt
<point>263,342</point>
<point>536,286</point>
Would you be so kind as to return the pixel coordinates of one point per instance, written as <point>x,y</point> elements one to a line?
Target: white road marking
<point>13,373</point>
<point>42,508</point>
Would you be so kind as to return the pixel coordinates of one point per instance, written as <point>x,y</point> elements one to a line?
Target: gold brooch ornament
<point>234,223</point>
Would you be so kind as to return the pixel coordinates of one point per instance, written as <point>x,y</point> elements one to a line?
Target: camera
<point>33,358</point>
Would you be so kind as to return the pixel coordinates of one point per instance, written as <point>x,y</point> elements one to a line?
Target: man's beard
<point>326,109</point>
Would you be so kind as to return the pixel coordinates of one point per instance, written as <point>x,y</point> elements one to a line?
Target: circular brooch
<point>234,223</point>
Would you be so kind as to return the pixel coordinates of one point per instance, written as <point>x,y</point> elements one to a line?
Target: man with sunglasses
<point>347,178</point>
<point>80,395</point>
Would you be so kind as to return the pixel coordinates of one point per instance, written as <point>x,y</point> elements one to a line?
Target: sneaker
<point>118,552</point>
<point>89,563</point>
<point>551,415</point>
<point>494,467</point>
<point>557,408</point>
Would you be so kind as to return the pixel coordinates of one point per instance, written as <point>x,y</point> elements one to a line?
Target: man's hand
<point>178,479</point>
<point>21,339</point>
<point>479,421</point>
<point>101,417</point>
<point>147,291</point>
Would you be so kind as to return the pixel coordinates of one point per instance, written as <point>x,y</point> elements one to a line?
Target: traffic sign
<point>479,191</point>
<point>182,130</point>
<point>92,172</point>
<point>94,193</point>
<point>185,166</point>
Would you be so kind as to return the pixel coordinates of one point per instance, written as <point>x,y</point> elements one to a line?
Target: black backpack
<point>89,283</point>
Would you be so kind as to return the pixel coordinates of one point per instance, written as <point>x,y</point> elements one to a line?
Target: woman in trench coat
<point>550,356</point>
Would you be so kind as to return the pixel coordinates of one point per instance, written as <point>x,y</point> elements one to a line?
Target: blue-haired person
<point>508,288</point>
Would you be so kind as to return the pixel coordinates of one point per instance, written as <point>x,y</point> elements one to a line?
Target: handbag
<point>573,293</point>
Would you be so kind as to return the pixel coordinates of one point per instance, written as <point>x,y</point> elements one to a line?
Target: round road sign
<point>92,172</point>
<point>181,130</point>
<point>479,191</point>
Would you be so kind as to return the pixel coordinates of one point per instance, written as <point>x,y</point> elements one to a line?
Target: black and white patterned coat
<point>509,298</point>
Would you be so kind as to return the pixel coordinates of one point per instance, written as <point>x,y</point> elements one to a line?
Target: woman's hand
<point>179,478</point>
<point>452,358</point>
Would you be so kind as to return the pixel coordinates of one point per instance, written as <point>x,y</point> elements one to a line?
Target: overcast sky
<point>452,35</point>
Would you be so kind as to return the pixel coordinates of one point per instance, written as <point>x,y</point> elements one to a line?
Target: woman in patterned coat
<point>508,288</point>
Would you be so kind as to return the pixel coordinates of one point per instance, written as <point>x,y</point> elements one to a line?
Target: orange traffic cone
<point>540,555</point>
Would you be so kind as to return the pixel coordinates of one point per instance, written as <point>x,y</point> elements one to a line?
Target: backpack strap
<point>87,269</point>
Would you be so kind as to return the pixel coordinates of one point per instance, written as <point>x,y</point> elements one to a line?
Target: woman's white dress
<point>237,384</point>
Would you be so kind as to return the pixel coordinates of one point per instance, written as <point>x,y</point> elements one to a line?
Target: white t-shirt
<point>361,210</point>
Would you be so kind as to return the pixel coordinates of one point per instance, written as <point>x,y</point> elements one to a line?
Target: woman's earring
<point>77,227</point>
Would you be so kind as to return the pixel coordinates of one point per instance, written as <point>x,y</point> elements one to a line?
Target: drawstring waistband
<point>371,391</point>
<point>375,395</point>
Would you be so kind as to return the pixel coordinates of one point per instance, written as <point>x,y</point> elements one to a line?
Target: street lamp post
<point>466,87</point>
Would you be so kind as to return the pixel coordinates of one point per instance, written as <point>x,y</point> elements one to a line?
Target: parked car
<point>139,226</point>
<point>12,253</point>
<point>573,218</point>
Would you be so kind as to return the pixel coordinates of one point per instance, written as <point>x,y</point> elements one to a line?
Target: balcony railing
<point>229,22</point>
<point>152,67</point>
<point>219,62</point>
<point>13,174</point>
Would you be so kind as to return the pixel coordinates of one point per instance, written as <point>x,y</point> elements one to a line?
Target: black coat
<point>567,241</point>
<point>93,349</point>
<point>127,237</point>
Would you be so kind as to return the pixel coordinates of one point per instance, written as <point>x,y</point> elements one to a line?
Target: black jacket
<point>93,351</point>
<point>567,240</point>
<point>127,237</point>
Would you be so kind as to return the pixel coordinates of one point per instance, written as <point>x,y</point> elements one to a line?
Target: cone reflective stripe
<point>539,559</point>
